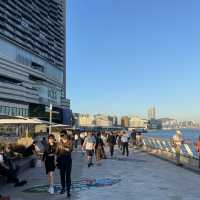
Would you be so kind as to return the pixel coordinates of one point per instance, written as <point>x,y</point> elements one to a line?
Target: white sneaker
<point>51,190</point>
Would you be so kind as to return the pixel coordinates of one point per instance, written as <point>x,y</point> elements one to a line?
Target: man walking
<point>125,140</point>
<point>89,146</point>
<point>111,142</point>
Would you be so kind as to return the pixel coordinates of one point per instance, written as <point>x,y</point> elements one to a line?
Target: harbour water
<point>189,134</point>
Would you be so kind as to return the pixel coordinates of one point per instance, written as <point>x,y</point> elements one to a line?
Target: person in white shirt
<point>177,141</point>
<point>82,137</point>
<point>89,146</point>
<point>125,140</point>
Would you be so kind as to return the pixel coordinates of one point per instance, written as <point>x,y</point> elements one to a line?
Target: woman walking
<point>64,163</point>
<point>49,157</point>
<point>99,148</point>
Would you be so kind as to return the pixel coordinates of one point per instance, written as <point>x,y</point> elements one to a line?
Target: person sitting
<point>10,153</point>
<point>31,150</point>
<point>9,170</point>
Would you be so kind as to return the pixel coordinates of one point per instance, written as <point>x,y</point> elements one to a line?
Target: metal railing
<point>188,148</point>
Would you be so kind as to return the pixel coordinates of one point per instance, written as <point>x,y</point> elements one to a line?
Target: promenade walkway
<point>141,176</point>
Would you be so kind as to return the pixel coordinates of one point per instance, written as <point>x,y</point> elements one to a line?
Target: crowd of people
<point>56,153</point>
<point>93,143</point>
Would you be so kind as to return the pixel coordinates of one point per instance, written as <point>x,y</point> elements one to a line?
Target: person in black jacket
<point>49,157</point>
<point>111,142</point>
<point>64,162</point>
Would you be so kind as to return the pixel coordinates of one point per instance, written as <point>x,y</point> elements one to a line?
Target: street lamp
<point>50,117</point>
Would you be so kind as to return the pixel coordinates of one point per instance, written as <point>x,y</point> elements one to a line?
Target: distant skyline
<point>126,56</point>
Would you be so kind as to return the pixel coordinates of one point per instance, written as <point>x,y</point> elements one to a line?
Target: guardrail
<point>188,149</point>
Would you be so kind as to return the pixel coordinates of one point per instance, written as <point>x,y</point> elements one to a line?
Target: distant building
<point>152,113</point>
<point>113,120</point>
<point>84,120</point>
<point>168,123</point>
<point>155,124</point>
<point>125,121</point>
<point>137,122</point>
<point>103,120</point>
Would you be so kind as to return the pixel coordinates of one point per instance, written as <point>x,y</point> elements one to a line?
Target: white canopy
<point>23,121</point>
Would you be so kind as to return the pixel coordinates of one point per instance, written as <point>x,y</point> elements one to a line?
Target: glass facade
<point>13,111</point>
<point>37,25</point>
<point>53,94</point>
<point>17,54</point>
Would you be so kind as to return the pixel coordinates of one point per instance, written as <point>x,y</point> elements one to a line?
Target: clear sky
<point>127,55</point>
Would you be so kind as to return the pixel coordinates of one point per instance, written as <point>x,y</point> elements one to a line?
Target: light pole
<point>50,117</point>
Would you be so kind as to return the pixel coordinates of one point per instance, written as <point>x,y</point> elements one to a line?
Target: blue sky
<point>124,56</point>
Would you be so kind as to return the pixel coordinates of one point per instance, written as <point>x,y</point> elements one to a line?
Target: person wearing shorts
<point>89,146</point>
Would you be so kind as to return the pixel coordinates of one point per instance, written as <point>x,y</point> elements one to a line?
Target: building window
<point>42,35</point>
<point>14,111</point>
<point>25,23</point>
<point>21,111</point>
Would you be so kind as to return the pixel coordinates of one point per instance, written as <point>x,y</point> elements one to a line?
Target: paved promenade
<point>141,176</point>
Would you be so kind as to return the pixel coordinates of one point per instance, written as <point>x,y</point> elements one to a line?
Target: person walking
<point>82,138</point>
<point>111,142</point>
<point>64,162</point>
<point>133,136</point>
<point>89,146</point>
<point>119,143</point>
<point>177,141</point>
<point>125,140</point>
<point>76,138</point>
<point>49,158</point>
<point>99,148</point>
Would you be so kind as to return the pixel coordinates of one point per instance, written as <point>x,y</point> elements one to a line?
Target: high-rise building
<point>32,58</point>
<point>125,121</point>
<point>152,113</point>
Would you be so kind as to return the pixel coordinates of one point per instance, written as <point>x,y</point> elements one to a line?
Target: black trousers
<point>65,173</point>
<point>10,174</point>
<point>125,148</point>
<point>76,143</point>
<point>111,150</point>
